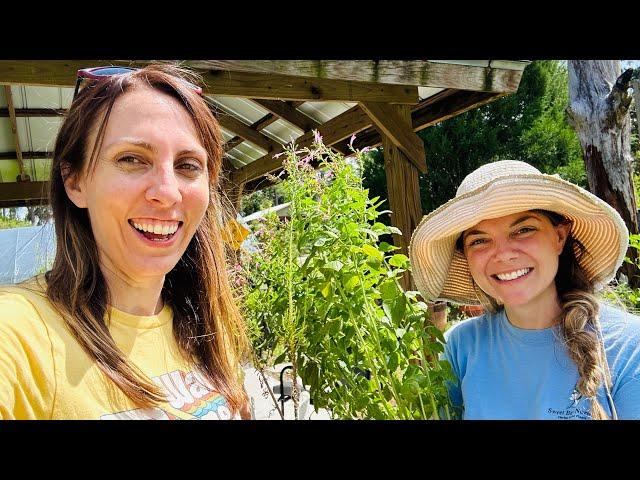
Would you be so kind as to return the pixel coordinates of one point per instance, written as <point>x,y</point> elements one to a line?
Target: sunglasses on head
<point>103,73</point>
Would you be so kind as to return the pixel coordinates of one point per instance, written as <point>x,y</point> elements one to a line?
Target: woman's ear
<point>73,185</point>
<point>563,232</point>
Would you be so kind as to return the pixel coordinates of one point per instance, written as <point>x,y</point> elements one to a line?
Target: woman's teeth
<point>513,275</point>
<point>158,228</point>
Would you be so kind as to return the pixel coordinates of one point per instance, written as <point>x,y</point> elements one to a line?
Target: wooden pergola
<point>382,102</point>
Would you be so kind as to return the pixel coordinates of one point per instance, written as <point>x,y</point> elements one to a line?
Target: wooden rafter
<point>332,131</point>
<point>288,87</point>
<point>487,76</point>
<point>25,155</point>
<point>62,73</point>
<point>247,133</point>
<point>12,193</point>
<point>389,122</point>
<point>440,107</point>
<point>14,129</point>
<point>34,112</point>
<point>289,113</point>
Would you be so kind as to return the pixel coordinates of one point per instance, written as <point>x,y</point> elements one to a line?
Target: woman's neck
<point>134,296</point>
<point>543,312</point>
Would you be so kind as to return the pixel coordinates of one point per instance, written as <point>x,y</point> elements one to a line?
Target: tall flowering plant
<point>323,293</point>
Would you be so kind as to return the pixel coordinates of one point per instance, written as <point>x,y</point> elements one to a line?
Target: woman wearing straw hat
<point>532,249</point>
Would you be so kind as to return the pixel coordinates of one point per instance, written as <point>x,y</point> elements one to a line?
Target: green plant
<point>622,293</point>
<point>323,294</point>
<point>13,223</point>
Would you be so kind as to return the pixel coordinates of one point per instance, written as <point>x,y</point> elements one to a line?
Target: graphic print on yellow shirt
<point>190,393</point>
<point>45,374</point>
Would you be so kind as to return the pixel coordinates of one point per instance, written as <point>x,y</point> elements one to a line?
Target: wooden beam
<point>403,192</point>
<point>440,107</point>
<point>389,122</point>
<point>478,75</point>
<point>49,73</point>
<point>288,113</point>
<point>288,87</point>
<point>25,155</point>
<point>263,122</point>
<point>21,191</point>
<point>246,132</point>
<point>35,112</point>
<point>14,129</point>
<point>332,131</point>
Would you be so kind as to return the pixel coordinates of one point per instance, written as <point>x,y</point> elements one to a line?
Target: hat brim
<point>442,273</point>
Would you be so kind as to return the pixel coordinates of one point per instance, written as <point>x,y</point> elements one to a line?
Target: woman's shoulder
<point>618,319</point>
<point>470,327</point>
<point>21,306</point>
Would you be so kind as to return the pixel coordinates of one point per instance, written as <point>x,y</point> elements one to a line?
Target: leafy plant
<point>322,293</point>
<point>622,293</point>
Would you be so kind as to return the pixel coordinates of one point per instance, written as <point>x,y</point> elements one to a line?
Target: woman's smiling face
<point>150,186</point>
<point>514,258</point>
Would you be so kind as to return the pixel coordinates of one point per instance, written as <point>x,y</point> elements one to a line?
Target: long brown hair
<point>207,324</point>
<point>579,323</point>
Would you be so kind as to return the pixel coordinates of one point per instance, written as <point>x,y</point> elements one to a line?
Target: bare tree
<point>599,101</point>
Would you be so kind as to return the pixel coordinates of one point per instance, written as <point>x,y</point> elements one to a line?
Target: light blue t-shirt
<point>506,372</point>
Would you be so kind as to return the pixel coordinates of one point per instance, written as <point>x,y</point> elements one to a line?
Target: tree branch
<point>619,99</point>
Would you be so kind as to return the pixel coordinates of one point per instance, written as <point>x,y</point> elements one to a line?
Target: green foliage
<point>323,293</point>
<point>623,293</point>
<point>13,223</point>
<point>528,125</point>
<point>261,199</point>
<point>9,219</point>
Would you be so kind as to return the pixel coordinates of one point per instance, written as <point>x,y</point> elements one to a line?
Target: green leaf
<point>326,289</point>
<point>372,252</point>
<point>392,361</point>
<point>350,282</point>
<point>280,358</point>
<point>334,265</point>
<point>389,290</point>
<point>400,332</point>
<point>386,247</point>
<point>395,230</point>
<point>399,260</point>
<point>397,310</point>
<point>436,332</point>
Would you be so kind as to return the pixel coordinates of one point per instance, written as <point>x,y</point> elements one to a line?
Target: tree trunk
<point>599,113</point>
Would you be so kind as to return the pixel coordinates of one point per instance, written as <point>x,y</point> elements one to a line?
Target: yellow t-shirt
<point>45,374</point>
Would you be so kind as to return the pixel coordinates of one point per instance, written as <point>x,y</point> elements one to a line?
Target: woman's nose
<point>164,187</point>
<point>505,251</point>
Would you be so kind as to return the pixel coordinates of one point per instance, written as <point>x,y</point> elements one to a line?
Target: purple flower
<point>353,137</point>
<point>317,137</point>
<point>365,149</point>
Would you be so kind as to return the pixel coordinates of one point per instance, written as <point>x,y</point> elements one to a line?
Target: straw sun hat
<point>503,188</point>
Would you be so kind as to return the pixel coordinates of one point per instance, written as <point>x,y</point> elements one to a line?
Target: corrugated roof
<point>37,130</point>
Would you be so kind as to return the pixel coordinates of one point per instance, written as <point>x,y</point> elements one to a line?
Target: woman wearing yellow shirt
<point>136,318</point>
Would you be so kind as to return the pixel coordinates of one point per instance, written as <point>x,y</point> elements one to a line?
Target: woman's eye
<point>477,241</point>
<point>190,166</point>
<point>129,160</point>
<point>524,230</point>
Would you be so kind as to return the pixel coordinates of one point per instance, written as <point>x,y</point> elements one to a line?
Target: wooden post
<point>403,191</point>
<point>14,129</point>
